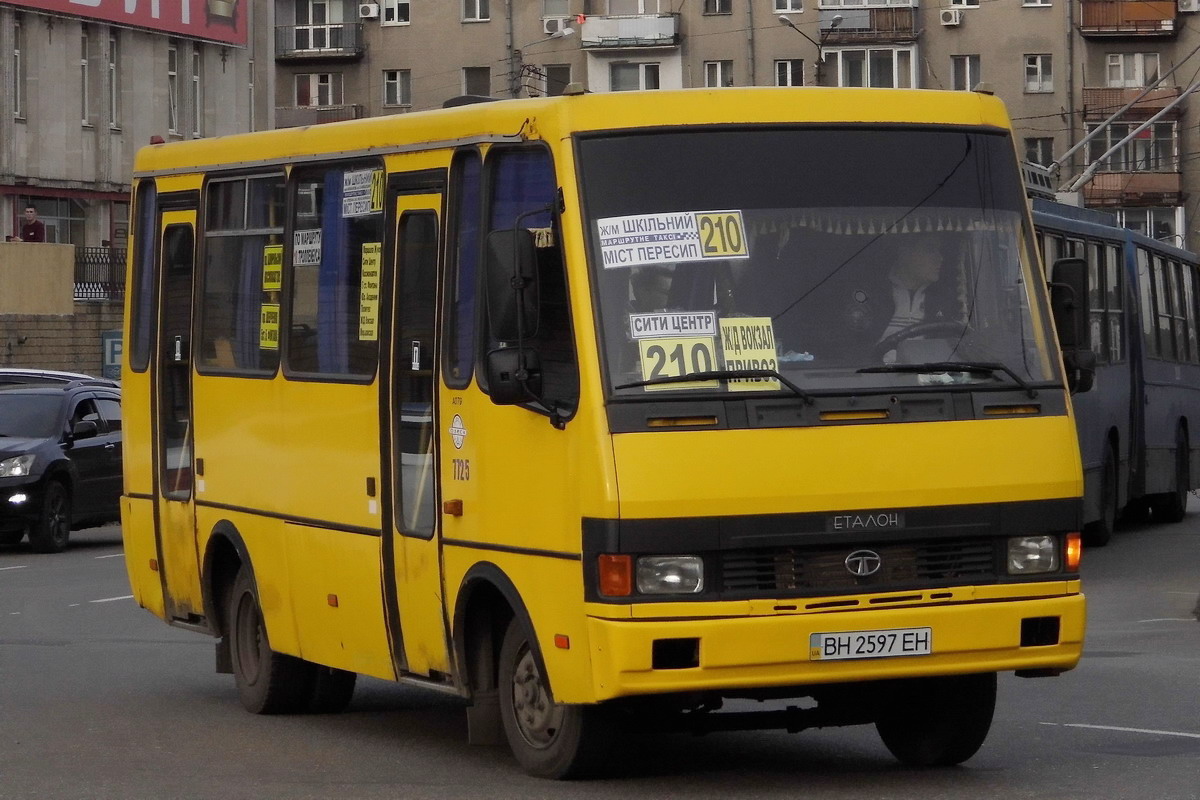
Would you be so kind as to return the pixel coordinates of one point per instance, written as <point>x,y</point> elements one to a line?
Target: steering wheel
<point>918,329</point>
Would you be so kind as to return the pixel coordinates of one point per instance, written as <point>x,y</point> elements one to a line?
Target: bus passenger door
<point>415,602</point>
<point>176,518</point>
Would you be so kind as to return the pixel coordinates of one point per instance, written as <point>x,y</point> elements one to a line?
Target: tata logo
<point>862,563</point>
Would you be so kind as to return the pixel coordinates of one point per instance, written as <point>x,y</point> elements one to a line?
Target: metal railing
<point>99,273</point>
<point>339,40</point>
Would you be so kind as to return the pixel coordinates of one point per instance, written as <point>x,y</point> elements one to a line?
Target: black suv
<point>60,460</point>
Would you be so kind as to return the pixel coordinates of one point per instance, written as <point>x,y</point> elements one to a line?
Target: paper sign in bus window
<point>669,358</point>
<point>657,326</point>
<point>368,300</point>
<point>268,327</point>
<point>272,268</point>
<point>306,248</point>
<point>362,192</point>
<point>749,343</point>
<point>644,239</point>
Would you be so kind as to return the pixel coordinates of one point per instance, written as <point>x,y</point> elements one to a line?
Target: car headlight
<point>670,574</point>
<point>16,467</point>
<point>1031,555</point>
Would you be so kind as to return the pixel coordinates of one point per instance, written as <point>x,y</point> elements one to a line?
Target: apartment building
<point>87,82</point>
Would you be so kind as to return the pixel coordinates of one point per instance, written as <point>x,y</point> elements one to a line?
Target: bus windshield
<point>812,260</point>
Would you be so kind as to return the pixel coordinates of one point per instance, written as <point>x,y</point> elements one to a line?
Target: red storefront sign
<point>211,20</point>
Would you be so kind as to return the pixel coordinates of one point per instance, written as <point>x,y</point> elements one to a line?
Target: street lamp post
<point>517,58</point>
<point>836,20</point>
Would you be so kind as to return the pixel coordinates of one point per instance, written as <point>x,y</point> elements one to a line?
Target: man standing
<point>32,229</point>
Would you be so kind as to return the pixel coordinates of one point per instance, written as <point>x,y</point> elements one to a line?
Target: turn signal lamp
<point>616,575</point>
<point>1074,551</point>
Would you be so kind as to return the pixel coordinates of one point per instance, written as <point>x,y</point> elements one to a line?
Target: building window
<point>197,90</point>
<point>1040,150</point>
<point>965,3</point>
<point>718,6</point>
<point>1039,77</point>
<point>789,72</point>
<point>556,8</point>
<point>882,68</point>
<point>1036,3</point>
<point>624,7</point>
<point>477,81</point>
<point>397,87</point>
<point>476,11</point>
<point>172,88</point>
<point>395,12</point>
<point>64,217</point>
<point>789,5</point>
<point>1154,149</point>
<point>718,73</point>
<point>1158,223</point>
<point>557,78</point>
<point>85,111</point>
<point>1131,70</point>
<point>18,75</point>
<point>964,72</point>
<point>114,82</point>
<point>631,77</point>
<point>319,89</point>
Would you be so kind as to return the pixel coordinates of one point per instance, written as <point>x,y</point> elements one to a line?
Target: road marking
<point>73,605</point>
<point>23,566</point>
<point>111,599</point>
<point>1123,730</point>
<point>1170,619</point>
<point>114,555</point>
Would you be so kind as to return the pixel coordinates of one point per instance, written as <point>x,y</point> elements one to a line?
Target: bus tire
<point>548,739</point>
<point>1172,506</point>
<point>53,528</point>
<point>934,722</point>
<point>267,682</point>
<point>332,690</point>
<point>1099,532</point>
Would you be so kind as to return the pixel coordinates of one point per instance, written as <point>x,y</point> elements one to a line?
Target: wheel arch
<point>224,555</point>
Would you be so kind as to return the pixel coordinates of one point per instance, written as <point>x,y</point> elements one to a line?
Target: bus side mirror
<point>511,284</point>
<point>1069,304</point>
<point>514,375</point>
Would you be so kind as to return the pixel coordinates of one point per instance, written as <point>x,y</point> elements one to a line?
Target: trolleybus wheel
<point>1099,532</point>
<point>267,682</point>
<point>1172,506</point>
<point>939,721</point>
<point>549,740</point>
<point>53,528</point>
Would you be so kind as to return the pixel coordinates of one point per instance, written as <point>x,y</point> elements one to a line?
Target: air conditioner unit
<point>1189,6</point>
<point>552,25</point>
<point>368,10</point>
<point>952,17</point>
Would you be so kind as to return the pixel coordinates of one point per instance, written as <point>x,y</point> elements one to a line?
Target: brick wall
<point>66,342</point>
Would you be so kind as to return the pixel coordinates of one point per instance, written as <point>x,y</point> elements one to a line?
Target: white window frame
<point>328,82</point>
<point>465,89</point>
<point>643,7</point>
<point>397,88</point>
<point>85,105</point>
<point>972,67</point>
<point>18,76</point>
<point>476,11</point>
<point>644,69</point>
<point>1135,63</point>
<point>866,3</point>
<point>964,3</point>
<point>114,81</point>
<point>1043,158</point>
<point>546,82</point>
<point>790,68</point>
<point>835,60</point>
<point>1036,3</point>
<point>1039,73</point>
<point>197,90</point>
<point>718,74</point>
<point>173,88</point>
<point>789,6</point>
<point>721,7</point>
<point>389,12</point>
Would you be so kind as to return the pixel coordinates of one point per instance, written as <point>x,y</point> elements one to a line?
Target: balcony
<point>1127,18</point>
<point>298,116</point>
<point>890,24</point>
<point>1099,103</point>
<point>1134,189</point>
<point>632,31</point>
<point>341,42</point>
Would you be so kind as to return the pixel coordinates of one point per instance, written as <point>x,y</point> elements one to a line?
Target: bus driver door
<point>176,515</point>
<point>415,594</point>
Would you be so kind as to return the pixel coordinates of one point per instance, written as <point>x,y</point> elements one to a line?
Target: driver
<point>916,294</point>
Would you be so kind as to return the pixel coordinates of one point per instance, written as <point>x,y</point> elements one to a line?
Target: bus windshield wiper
<point>989,367</point>
<point>722,374</point>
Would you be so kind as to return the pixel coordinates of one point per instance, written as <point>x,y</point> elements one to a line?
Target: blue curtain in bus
<point>522,181</point>
<point>249,316</point>
<point>466,283</point>
<point>333,281</point>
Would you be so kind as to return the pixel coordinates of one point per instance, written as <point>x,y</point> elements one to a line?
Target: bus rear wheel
<point>267,682</point>
<point>1172,506</point>
<point>1099,532</point>
<point>932,722</point>
<point>548,739</point>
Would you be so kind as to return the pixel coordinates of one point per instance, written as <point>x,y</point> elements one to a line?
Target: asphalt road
<point>98,699</point>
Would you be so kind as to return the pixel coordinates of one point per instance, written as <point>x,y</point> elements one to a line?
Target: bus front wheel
<point>942,721</point>
<point>267,682</point>
<point>549,740</point>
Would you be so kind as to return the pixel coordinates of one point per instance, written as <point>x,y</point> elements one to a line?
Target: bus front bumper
<point>654,656</point>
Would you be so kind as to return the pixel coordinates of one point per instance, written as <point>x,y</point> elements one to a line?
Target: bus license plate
<point>870,644</point>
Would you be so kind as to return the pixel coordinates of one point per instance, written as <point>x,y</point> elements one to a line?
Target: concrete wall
<point>36,278</point>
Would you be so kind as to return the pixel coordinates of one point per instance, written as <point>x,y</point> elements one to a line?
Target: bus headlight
<point>670,574</point>
<point>16,467</point>
<point>1031,555</point>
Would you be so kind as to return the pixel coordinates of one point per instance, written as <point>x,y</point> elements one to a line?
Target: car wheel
<point>267,682</point>
<point>53,527</point>
<point>549,740</point>
<point>938,721</point>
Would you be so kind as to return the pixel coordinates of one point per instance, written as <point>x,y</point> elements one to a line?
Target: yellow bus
<point>605,405</point>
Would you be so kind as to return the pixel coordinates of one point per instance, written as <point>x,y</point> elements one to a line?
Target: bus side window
<point>523,193</point>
